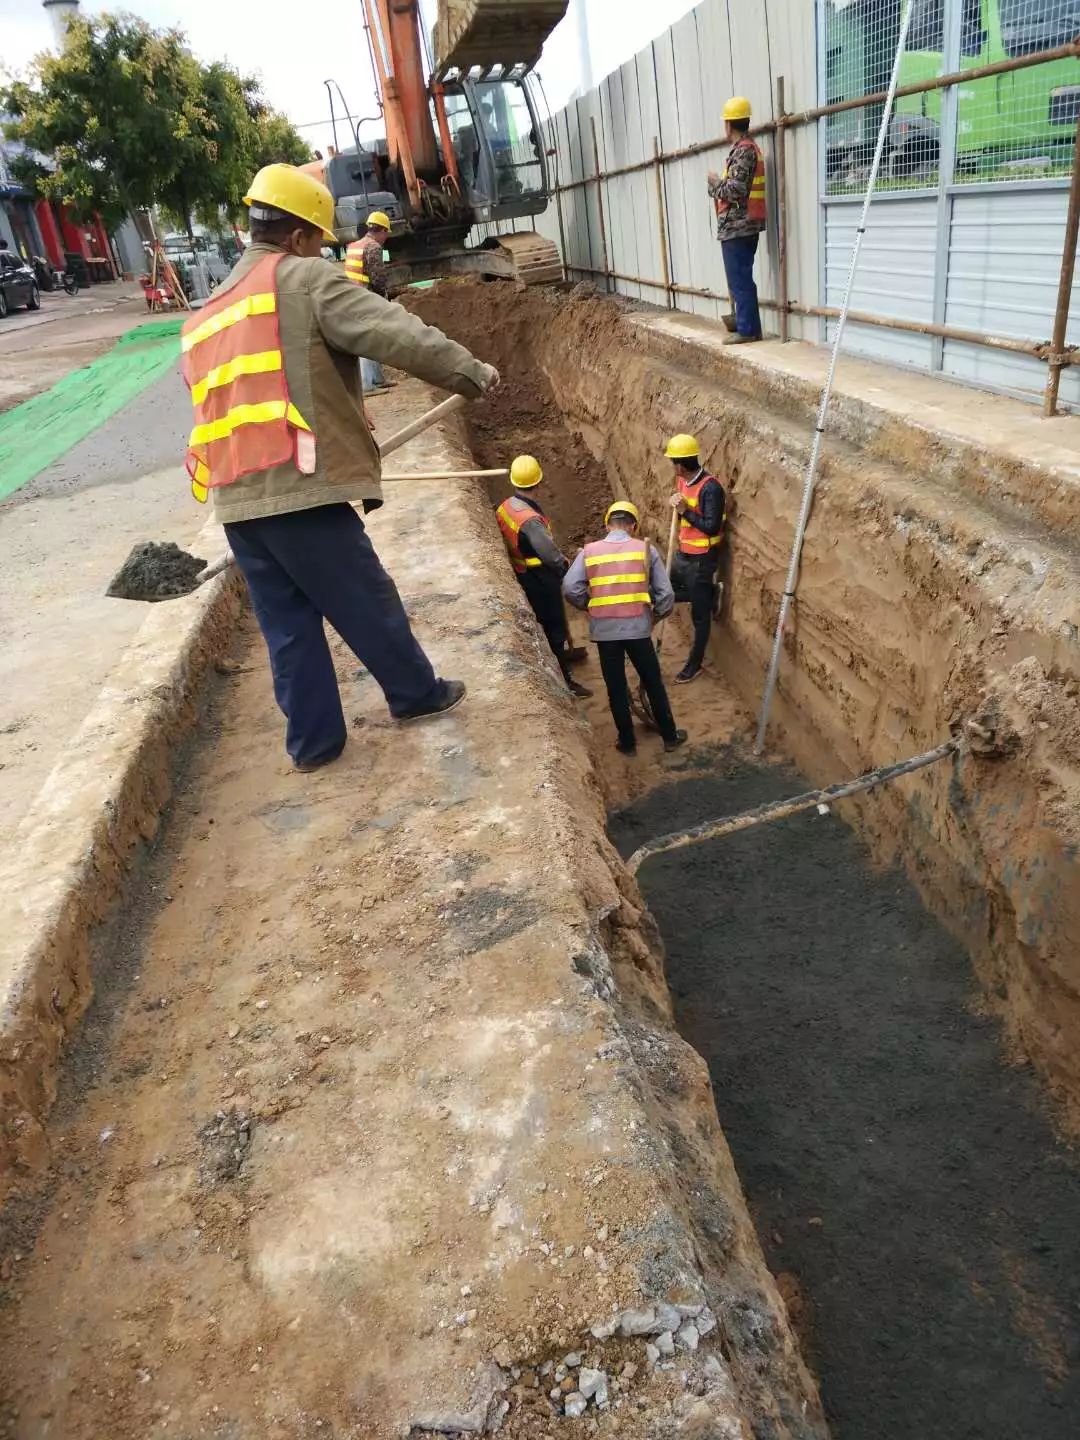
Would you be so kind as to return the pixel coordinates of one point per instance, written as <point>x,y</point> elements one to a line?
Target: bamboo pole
<point>781,209</point>
<point>791,581</point>
<point>782,809</point>
<point>1065,286</point>
<point>599,196</point>
<point>661,213</point>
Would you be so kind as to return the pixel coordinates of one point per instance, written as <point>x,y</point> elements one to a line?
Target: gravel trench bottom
<point>909,1191</point>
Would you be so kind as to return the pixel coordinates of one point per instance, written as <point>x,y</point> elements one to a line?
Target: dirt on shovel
<point>156,571</point>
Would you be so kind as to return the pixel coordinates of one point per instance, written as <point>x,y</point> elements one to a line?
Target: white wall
<point>674,89</point>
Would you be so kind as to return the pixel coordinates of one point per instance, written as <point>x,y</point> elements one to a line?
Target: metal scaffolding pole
<point>810,480</point>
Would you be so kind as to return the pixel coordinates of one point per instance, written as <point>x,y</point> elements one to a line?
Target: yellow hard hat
<point>622,507</point>
<point>378,218</point>
<point>289,189</point>
<point>737,108</point>
<point>525,472</point>
<point>681,447</point>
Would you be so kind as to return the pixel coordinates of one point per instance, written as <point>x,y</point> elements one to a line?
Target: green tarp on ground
<point>39,431</point>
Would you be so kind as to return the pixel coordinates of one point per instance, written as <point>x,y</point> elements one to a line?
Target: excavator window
<point>508,124</point>
<point>494,137</point>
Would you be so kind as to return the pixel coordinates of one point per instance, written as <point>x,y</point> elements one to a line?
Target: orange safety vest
<point>356,263</point>
<point>511,515</point>
<point>618,574</point>
<point>755,202</point>
<point>693,541</point>
<point>232,363</point>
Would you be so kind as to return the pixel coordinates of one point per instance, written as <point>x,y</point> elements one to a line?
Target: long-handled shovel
<point>641,707</point>
<point>163,572</point>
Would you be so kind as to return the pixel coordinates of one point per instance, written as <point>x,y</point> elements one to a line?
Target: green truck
<point>1009,126</point>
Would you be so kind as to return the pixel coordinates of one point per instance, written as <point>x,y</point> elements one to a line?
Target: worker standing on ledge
<point>281,442</point>
<point>699,498</point>
<point>364,265</point>
<point>538,562</point>
<point>739,197</point>
<point>622,583</point>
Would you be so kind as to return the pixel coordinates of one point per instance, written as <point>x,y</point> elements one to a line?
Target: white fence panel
<point>1004,266</point>
<point>895,276</point>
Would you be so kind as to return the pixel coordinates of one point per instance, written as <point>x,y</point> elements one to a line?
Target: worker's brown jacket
<point>325,323</point>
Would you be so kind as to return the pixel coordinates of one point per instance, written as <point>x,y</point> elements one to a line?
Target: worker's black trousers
<point>543,590</point>
<point>693,578</point>
<point>308,566</point>
<point>642,655</point>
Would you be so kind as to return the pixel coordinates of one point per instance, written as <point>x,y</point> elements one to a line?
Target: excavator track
<point>536,260</point>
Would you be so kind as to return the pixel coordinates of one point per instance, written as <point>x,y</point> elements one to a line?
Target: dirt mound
<point>496,323</point>
<point>156,572</point>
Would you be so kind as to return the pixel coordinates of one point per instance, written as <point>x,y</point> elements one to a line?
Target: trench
<point>902,1158</point>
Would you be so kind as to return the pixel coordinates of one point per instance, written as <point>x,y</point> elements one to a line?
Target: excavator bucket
<point>484,33</point>
<point>536,261</point>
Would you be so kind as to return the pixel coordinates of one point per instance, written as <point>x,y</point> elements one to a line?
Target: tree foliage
<point>129,118</point>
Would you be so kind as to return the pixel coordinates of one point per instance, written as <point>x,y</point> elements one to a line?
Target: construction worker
<point>364,265</point>
<point>622,583</point>
<point>739,197</point>
<point>538,562</point>
<point>699,498</point>
<point>281,442</point>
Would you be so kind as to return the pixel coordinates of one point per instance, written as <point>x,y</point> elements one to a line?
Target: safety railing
<point>1052,350</point>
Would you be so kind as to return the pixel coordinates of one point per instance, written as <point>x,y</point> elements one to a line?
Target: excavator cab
<point>495,131</point>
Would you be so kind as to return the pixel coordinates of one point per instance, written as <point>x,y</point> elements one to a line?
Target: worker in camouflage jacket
<point>738,195</point>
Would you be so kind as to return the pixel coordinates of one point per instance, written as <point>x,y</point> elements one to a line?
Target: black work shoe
<point>453,692</point>
<point>626,747</point>
<point>687,673</point>
<point>580,692</point>
<point>308,767</point>
<point>679,738</point>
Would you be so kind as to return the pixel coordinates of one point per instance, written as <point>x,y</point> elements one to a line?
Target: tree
<point>130,118</point>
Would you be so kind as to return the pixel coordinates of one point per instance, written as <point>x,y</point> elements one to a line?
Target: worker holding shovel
<point>621,581</point>
<point>281,442</point>
<point>700,504</point>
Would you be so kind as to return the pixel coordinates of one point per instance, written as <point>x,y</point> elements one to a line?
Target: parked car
<point>18,284</point>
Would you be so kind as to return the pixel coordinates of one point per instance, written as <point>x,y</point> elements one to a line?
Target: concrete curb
<point>67,859</point>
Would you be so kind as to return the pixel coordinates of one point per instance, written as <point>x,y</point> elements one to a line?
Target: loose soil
<point>911,1196</point>
<point>156,571</point>
<point>521,416</point>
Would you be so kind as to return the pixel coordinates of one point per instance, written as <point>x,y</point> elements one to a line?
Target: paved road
<point>62,537</point>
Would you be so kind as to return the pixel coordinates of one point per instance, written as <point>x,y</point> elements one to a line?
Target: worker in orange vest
<point>364,265</point>
<point>538,563</point>
<point>699,498</point>
<point>622,583</point>
<point>739,197</point>
<point>281,443</point>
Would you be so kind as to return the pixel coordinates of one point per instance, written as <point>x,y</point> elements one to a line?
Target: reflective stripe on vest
<point>618,574</point>
<point>355,265</point>
<point>511,515</point>
<point>693,541</point>
<point>234,368</point>
<point>755,202</point>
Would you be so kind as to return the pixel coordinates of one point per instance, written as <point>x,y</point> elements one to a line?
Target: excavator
<point>464,142</point>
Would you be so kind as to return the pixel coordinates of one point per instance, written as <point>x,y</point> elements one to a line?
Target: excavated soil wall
<point>936,589</point>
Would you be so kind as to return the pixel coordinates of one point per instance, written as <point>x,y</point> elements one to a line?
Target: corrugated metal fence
<point>960,240</point>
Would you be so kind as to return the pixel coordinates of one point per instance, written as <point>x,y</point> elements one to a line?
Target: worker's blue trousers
<point>311,565</point>
<point>739,269</point>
